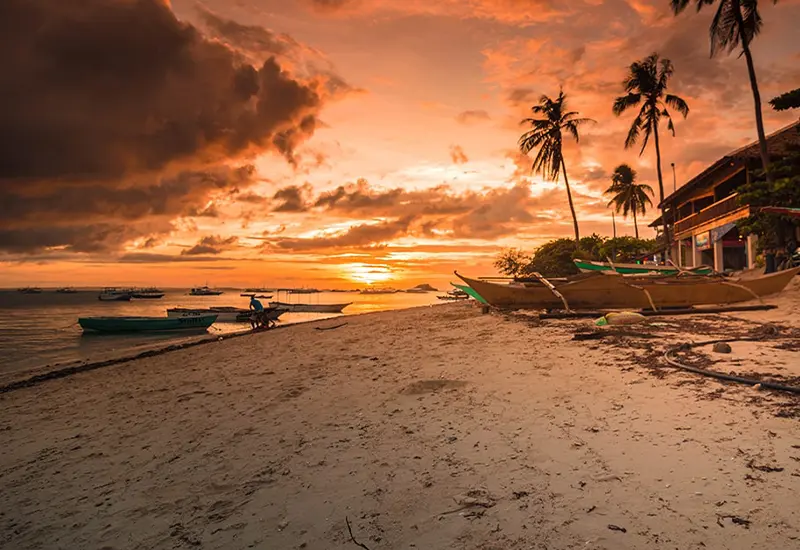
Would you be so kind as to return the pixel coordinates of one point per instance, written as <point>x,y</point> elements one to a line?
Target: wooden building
<point>702,214</point>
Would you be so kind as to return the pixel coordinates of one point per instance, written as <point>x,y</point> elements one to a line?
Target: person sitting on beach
<point>258,309</point>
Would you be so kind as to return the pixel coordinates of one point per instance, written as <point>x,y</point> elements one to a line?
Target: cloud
<point>457,155</point>
<point>472,116</point>
<point>120,118</point>
<point>361,235</point>
<point>212,244</point>
<point>292,198</point>
<point>154,258</point>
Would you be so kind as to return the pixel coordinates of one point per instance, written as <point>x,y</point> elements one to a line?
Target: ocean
<point>38,330</point>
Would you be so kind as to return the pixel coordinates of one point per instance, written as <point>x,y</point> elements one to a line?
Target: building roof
<point>777,144</point>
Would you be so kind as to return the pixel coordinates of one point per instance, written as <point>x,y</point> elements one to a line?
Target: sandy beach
<point>434,428</point>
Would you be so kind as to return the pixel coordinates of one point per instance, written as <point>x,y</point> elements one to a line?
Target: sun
<point>369,273</point>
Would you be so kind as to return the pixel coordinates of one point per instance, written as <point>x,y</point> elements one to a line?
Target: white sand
<point>409,423</point>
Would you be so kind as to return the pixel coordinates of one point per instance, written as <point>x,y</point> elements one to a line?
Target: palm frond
<point>678,104</point>
<point>633,133</point>
<point>623,103</point>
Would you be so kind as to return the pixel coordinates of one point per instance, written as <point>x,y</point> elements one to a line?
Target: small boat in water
<point>379,291</point>
<point>204,291</point>
<point>591,266</point>
<point>610,290</point>
<point>454,295</point>
<point>30,290</point>
<point>145,324</point>
<point>66,290</point>
<point>114,295</point>
<point>310,308</point>
<point>225,314</point>
<point>150,293</point>
<point>257,290</point>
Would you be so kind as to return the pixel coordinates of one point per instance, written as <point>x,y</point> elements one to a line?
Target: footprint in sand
<point>429,386</point>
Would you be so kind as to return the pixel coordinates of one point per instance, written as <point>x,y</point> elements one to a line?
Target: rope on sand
<point>669,356</point>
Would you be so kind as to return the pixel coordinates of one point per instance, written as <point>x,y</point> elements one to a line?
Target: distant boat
<point>257,290</point>
<point>150,293</point>
<point>145,324</point>
<point>384,290</point>
<point>456,294</point>
<point>590,266</point>
<point>204,291</point>
<point>299,290</point>
<point>66,290</point>
<point>114,295</point>
<point>30,290</point>
<point>311,308</point>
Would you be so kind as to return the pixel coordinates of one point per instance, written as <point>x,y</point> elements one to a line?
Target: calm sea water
<point>41,329</point>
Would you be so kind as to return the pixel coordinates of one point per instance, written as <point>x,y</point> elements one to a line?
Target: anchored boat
<point>310,308</point>
<point>114,295</point>
<point>608,290</point>
<point>145,324</point>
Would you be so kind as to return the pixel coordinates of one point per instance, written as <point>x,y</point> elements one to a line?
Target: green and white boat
<point>146,324</point>
<point>590,266</point>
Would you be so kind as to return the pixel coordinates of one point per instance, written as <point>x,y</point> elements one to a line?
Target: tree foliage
<point>554,258</point>
<point>773,230</point>
<point>789,100</point>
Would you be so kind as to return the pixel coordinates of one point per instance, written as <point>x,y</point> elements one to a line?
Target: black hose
<point>669,357</point>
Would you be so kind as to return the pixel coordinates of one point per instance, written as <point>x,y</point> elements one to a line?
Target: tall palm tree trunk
<point>635,227</point>
<point>667,240</point>
<point>751,72</point>
<point>569,199</point>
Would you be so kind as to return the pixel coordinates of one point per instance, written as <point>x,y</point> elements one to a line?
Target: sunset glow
<point>337,144</point>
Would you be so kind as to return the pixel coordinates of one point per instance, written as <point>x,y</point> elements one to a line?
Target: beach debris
<point>617,528</point>
<point>620,318</point>
<point>352,537</point>
<point>591,509</point>
<point>516,495</point>
<point>722,347</point>
<point>331,328</point>
<point>762,468</point>
<point>736,520</point>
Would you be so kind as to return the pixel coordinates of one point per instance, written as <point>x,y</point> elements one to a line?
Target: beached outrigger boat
<point>590,266</point>
<point>609,290</point>
<point>145,324</point>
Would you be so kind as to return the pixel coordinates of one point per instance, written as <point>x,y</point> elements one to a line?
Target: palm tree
<point>627,195</point>
<point>546,134</point>
<point>646,83</point>
<point>736,23</point>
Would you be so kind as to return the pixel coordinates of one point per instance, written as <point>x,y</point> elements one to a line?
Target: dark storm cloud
<point>102,88</point>
<point>113,111</point>
<point>212,244</point>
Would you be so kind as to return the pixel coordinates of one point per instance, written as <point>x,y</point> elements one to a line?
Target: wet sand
<point>435,428</point>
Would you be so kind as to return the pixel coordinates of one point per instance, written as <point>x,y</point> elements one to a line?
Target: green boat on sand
<point>146,324</point>
<point>590,266</point>
<point>471,291</point>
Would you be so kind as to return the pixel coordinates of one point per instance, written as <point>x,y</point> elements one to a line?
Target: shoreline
<point>425,428</point>
<point>32,376</point>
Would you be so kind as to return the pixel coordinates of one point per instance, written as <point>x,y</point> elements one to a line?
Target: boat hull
<point>224,314</point>
<point>613,291</point>
<point>588,266</point>
<point>145,324</point>
<point>310,308</point>
<point>114,298</point>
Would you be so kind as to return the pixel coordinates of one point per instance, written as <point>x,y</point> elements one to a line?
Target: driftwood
<point>331,328</point>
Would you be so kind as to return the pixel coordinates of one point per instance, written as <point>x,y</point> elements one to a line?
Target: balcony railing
<point>718,209</point>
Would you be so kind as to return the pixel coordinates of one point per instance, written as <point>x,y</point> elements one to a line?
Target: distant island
<point>424,287</point>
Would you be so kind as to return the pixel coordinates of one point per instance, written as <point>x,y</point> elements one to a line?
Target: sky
<point>335,143</point>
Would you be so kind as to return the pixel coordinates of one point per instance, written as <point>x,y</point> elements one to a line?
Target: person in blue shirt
<point>257,308</point>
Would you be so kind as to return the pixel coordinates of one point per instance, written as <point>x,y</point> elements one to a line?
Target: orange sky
<point>377,145</point>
